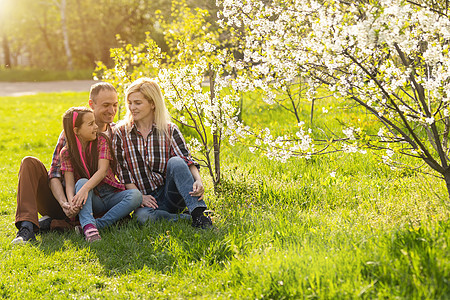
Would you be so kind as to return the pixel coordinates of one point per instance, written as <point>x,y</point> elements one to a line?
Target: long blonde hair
<point>152,93</point>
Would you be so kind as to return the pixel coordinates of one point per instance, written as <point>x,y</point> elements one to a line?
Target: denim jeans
<point>115,205</point>
<point>173,197</point>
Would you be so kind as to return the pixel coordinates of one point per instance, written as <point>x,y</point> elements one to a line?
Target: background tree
<point>388,57</point>
<point>191,76</point>
<point>4,12</point>
<point>64,34</point>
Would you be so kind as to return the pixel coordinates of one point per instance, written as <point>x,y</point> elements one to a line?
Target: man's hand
<point>149,201</point>
<point>197,190</point>
<point>69,210</point>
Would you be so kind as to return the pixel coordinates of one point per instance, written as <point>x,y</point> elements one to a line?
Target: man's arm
<point>58,192</point>
<point>55,183</point>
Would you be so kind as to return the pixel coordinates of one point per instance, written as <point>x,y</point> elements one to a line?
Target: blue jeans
<point>115,205</point>
<point>173,197</point>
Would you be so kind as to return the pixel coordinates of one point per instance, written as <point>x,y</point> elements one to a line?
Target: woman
<point>153,158</point>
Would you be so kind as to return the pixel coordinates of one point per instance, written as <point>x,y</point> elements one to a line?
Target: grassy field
<point>282,231</point>
<point>15,75</point>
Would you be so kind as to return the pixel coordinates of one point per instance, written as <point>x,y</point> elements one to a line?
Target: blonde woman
<point>153,158</point>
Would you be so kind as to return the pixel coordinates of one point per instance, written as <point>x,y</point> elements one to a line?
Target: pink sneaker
<point>91,233</point>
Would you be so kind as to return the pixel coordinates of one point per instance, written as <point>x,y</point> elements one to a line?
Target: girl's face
<point>88,130</point>
<point>140,108</point>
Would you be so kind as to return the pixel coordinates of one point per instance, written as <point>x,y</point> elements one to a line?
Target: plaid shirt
<point>103,153</point>
<point>144,161</point>
<point>55,168</point>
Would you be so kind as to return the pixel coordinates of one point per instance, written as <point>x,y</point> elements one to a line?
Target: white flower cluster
<point>281,148</point>
<point>387,158</point>
<point>390,56</point>
<point>183,88</point>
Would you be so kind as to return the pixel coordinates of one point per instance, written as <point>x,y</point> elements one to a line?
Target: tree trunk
<point>6,52</point>
<point>447,182</point>
<point>62,8</point>
<point>216,138</point>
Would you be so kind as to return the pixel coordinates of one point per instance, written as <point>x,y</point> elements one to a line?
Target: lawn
<point>282,230</point>
<point>25,74</point>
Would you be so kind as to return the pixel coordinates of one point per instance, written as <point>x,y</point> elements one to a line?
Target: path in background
<point>30,88</point>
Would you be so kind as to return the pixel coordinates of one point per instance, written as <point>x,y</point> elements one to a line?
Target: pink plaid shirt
<point>144,161</point>
<point>55,168</point>
<point>103,153</point>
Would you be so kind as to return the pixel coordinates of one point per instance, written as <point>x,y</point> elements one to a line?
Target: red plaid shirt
<point>144,161</point>
<point>55,168</point>
<point>103,153</point>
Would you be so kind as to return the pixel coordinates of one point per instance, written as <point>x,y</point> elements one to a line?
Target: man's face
<point>104,106</point>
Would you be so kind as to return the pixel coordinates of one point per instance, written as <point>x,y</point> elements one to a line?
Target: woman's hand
<point>197,190</point>
<point>149,201</point>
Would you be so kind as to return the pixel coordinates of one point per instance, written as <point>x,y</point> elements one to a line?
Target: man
<point>42,192</point>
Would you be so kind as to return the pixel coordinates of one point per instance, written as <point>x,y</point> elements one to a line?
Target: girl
<point>87,162</point>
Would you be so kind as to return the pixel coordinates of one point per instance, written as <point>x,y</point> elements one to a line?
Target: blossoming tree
<point>190,76</point>
<point>390,57</point>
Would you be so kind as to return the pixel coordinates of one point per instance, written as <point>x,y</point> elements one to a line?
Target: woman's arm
<point>81,196</point>
<point>197,188</point>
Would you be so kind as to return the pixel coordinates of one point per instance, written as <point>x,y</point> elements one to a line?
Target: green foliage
<point>184,30</point>
<point>191,60</point>
<point>282,231</point>
<point>33,32</point>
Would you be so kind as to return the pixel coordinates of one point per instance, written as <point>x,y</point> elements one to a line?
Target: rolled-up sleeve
<point>55,168</point>
<point>66,164</point>
<point>179,147</point>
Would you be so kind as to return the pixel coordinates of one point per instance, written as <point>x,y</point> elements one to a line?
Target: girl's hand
<point>80,198</point>
<point>69,210</point>
<point>197,190</point>
<point>149,201</point>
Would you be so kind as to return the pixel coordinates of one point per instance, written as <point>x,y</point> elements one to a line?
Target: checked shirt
<point>143,161</point>
<point>103,153</point>
<point>55,168</point>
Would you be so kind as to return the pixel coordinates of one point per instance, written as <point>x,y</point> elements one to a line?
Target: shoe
<point>208,213</point>
<point>203,222</point>
<point>79,230</point>
<point>24,236</point>
<point>44,224</point>
<point>92,235</point>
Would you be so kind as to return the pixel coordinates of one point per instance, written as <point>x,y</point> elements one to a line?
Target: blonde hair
<point>152,93</point>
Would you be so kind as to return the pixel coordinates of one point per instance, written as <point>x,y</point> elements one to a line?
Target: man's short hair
<point>99,86</point>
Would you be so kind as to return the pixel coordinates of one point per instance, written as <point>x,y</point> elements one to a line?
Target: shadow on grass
<point>162,246</point>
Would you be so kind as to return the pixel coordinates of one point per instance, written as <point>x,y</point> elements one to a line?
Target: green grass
<point>282,231</point>
<point>16,75</point>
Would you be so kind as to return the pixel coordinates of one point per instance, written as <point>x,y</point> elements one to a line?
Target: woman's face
<point>87,131</point>
<point>140,108</point>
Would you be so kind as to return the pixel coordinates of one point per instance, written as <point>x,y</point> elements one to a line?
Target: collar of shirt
<point>134,127</point>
